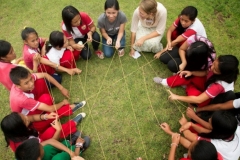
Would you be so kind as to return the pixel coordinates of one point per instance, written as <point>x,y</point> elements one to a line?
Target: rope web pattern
<point>95,96</point>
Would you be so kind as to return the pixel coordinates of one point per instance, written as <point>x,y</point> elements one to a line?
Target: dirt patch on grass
<point>219,16</point>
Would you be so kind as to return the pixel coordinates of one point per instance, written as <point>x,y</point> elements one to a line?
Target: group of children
<point>34,127</point>
<point>208,79</point>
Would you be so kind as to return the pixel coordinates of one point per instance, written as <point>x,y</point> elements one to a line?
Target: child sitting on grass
<point>219,81</point>
<point>224,134</point>
<point>186,25</point>
<point>59,52</point>
<point>17,128</point>
<point>22,100</point>
<point>188,56</point>
<point>7,55</point>
<point>197,150</point>
<point>50,149</point>
<point>33,47</point>
<point>79,26</point>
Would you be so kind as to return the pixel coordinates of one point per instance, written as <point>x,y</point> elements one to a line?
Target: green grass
<point>124,106</point>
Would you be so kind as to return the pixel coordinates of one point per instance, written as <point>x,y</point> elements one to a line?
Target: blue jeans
<point>57,77</point>
<point>108,50</point>
<point>86,53</point>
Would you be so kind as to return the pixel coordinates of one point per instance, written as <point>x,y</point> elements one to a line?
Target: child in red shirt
<point>34,48</point>
<point>78,26</point>
<point>59,52</point>
<point>22,100</point>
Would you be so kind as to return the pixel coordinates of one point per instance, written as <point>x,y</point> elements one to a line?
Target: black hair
<point>68,13</point>
<point>224,125</point>
<point>197,56</point>
<point>56,39</point>
<point>26,31</point>
<point>14,129</point>
<point>211,48</point>
<point>228,67</point>
<point>5,48</point>
<point>204,150</point>
<point>189,11</point>
<point>28,150</point>
<point>17,74</point>
<point>110,4</point>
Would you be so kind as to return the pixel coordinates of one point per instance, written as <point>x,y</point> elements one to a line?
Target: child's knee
<point>108,51</point>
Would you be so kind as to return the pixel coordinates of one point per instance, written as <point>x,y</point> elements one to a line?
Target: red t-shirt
<point>14,145</point>
<point>219,87</point>
<point>81,30</point>
<point>195,28</point>
<point>5,69</point>
<point>188,32</point>
<point>28,54</point>
<point>23,102</point>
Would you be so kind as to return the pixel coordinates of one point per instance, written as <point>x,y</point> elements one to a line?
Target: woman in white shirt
<point>148,26</point>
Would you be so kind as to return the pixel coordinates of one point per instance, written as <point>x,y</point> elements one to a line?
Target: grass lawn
<point>124,106</point>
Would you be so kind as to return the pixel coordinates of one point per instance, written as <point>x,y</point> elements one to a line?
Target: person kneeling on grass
<point>112,27</point>
<point>50,149</point>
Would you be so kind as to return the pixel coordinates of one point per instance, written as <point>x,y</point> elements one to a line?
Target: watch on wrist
<point>79,145</point>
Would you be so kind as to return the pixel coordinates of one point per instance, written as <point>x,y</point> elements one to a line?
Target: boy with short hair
<point>50,149</point>
<point>22,100</point>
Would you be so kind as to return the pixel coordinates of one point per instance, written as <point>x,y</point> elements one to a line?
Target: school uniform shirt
<point>81,30</point>
<point>14,145</point>
<point>55,55</point>
<point>219,87</point>
<point>23,102</point>
<point>194,38</point>
<point>111,28</point>
<point>159,22</point>
<point>5,69</point>
<point>219,157</point>
<point>28,53</point>
<point>51,152</point>
<point>236,103</point>
<point>196,28</point>
<point>230,150</point>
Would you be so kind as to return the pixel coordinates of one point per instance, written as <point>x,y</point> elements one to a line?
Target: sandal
<point>99,54</point>
<point>121,52</point>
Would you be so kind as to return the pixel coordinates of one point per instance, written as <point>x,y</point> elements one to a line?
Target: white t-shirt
<point>229,150</point>
<point>198,27</point>
<point>236,103</point>
<point>159,23</point>
<point>55,55</point>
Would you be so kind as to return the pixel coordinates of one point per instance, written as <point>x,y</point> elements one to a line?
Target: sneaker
<point>157,80</point>
<point>121,52</point>
<point>79,117</point>
<point>79,105</point>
